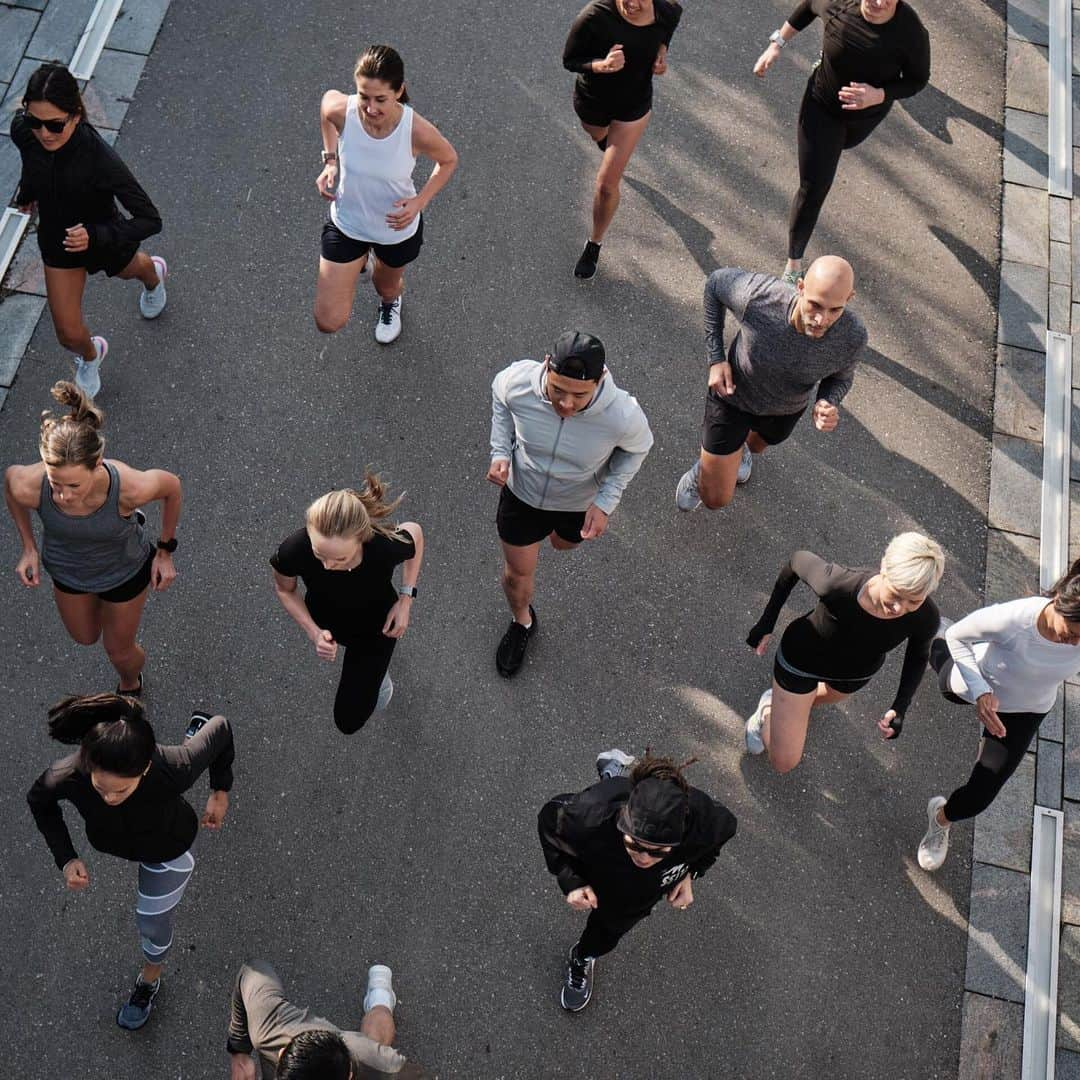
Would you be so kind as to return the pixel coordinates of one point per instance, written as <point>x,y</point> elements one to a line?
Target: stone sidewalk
<point>33,31</point>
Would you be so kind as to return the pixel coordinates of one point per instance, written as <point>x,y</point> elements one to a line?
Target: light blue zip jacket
<point>558,464</point>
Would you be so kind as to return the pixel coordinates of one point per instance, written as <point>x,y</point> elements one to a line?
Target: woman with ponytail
<point>94,543</point>
<point>346,555</point>
<point>128,790</point>
<point>1008,660</point>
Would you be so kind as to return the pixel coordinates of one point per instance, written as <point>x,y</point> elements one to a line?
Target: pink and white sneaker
<point>152,301</point>
<point>87,372</point>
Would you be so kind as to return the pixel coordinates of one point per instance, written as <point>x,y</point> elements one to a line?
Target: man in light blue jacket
<point>565,442</point>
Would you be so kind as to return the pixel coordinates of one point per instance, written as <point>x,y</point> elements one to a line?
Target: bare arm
<point>331,123</point>
<point>291,600</point>
<point>139,487</point>
<point>397,619</point>
<point>431,143</point>
<point>22,493</point>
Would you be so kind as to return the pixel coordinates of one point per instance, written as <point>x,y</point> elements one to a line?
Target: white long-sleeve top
<point>999,650</point>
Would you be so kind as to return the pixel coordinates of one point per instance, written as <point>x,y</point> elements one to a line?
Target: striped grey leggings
<point>161,888</point>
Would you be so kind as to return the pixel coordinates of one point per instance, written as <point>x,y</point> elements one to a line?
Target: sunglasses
<point>54,126</point>
<point>641,849</point>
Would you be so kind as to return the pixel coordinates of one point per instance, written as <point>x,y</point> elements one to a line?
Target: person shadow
<point>932,109</point>
<point>696,238</point>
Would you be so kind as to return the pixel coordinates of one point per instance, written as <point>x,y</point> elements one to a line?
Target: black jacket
<point>154,824</point>
<point>583,846</point>
<point>79,185</point>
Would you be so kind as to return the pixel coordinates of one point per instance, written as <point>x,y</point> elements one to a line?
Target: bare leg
<point>64,289</point>
<point>519,578</point>
<point>785,722</point>
<point>559,544</point>
<point>622,140</point>
<point>716,484</point>
<point>119,626</point>
<point>389,281</point>
<point>150,972</point>
<point>597,134</point>
<point>334,293</point>
<point>141,267</point>
<point>81,615</point>
<point>756,443</point>
<point>378,1025</point>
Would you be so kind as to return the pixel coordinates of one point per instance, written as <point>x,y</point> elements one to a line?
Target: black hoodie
<point>583,846</point>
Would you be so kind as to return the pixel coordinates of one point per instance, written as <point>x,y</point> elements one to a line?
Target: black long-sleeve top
<point>840,639</point>
<point>583,846</point>
<point>597,28</point>
<point>79,184</point>
<point>154,824</point>
<point>894,56</point>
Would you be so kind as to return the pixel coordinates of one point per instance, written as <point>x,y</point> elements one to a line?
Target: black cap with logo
<point>578,355</point>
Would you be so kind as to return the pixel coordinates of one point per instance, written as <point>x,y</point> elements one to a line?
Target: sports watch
<point>408,590</point>
<point>167,545</point>
<point>328,156</point>
<point>777,39</point>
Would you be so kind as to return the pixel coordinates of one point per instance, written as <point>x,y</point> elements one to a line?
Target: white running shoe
<point>380,990</point>
<point>87,372</point>
<point>934,846</point>
<point>755,744</point>
<point>152,301</point>
<point>612,763</point>
<point>386,692</point>
<point>943,625</point>
<point>388,327</point>
<point>687,497</point>
<point>745,465</point>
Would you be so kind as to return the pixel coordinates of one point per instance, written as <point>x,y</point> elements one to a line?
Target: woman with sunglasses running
<point>833,651</point>
<point>75,179</point>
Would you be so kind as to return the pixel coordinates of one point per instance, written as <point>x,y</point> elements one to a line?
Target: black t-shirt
<point>351,604</point>
<point>894,56</point>
<point>599,26</point>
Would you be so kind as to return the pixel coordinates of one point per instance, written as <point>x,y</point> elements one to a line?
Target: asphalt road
<point>816,947</point>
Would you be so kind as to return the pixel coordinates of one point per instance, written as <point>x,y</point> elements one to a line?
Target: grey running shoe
<point>745,465</point>
<point>755,744</point>
<point>386,692</point>
<point>687,497</point>
<point>388,327</point>
<point>87,372</point>
<point>577,987</point>
<point>152,301</point>
<point>136,1010</point>
<point>612,763</point>
<point>934,846</point>
<point>790,277</point>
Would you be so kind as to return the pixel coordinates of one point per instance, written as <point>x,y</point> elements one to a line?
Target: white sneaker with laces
<point>388,327</point>
<point>152,301</point>
<point>87,372</point>
<point>934,846</point>
<point>755,744</point>
<point>380,990</point>
<point>386,692</point>
<point>614,762</point>
<point>745,465</point>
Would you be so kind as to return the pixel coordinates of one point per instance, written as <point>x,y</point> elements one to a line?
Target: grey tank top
<point>93,553</point>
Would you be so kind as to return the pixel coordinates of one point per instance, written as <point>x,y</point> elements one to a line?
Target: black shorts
<point>807,684</point>
<point>122,593</point>
<point>520,524</point>
<point>339,248</point>
<point>596,112</point>
<point>110,260</point>
<point>725,427</point>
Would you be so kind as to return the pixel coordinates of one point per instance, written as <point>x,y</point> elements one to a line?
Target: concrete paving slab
<point>1023,306</point>
<point>1060,314</point>
<point>1074,461</point>
<point>1060,215</point>
<point>13,98</point>
<point>1015,485</point>
<point>1003,831</point>
<point>19,314</point>
<point>1070,864</point>
<point>1012,566</point>
<point>109,92</point>
<point>10,169</point>
<point>1068,1028</point>
<point>1018,392</point>
<point>1028,20</point>
<point>59,29</point>
<point>1071,723</point>
<point>1053,727</point>
<point>1074,521</point>
<point>1026,159</point>
<point>1067,1065</point>
<point>1060,263</point>
<point>1048,774</point>
<point>991,1039</point>
<point>137,25</point>
<point>27,272</point>
<point>997,943</point>
<point>33,5</point>
<point>1024,213</point>
<point>1026,76</point>
<point>16,28</point>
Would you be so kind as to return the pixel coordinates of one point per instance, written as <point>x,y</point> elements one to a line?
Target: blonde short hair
<point>913,564</point>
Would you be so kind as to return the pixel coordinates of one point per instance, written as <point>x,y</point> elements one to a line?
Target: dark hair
<point>111,731</point>
<point>56,85</point>
<point>652,767</point>
<point>385,63</point>
<point>315,1055</point>
<point>1065,592</point>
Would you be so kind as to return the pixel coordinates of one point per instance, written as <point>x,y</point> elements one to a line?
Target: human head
<point>1064,617</point>
<point>878,11</point>
<point>911,569</point>
<point>824,293</point>
<point>575,368</point>
<point>116,742</point>
<point>315,1055</point>
<point>655,814</point>
<point>380,79</point>
<point>52,94</point>
<point>341,521</point>
<point>71,444</point>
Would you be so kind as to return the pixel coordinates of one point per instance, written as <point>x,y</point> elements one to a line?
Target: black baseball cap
<point>578,355</point>
<point>655,813</point>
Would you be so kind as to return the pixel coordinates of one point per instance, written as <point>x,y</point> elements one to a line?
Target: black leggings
<point>362,672</point>
<point>998,757</point>
<point>823,136</point>
<point>603,931</point>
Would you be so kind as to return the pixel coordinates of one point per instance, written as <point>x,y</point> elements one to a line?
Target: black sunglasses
<point>633,845</point>
<point>55,126</point>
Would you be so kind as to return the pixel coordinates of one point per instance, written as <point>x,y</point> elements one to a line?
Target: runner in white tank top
<point>371,140</point>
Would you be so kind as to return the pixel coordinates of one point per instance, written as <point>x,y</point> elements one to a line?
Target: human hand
<point>583,899</point>
<point>76,238</point>
<point>860,95</point>
<point>890,725</point>
<point>762,645</point>
<point>721,379</point>
<point>499,471</point>
<point>326,181</point>
<point>987,705</point>
<point>76,876</point>
<point>217,806</point>
<point>162,572</point>
<point>826,416</point>
<point>406,213</point>
<point>766,59</point>
<point>242,1067</point>
<point>659,66</point>
<point>325,645</point>
<point>397,622</point>
<point>28,569</point>
<point>682,896</point>
<point>614,61</point>
<point>595,523</point>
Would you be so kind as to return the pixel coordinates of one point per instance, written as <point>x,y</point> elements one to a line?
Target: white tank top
<point>372,175</point>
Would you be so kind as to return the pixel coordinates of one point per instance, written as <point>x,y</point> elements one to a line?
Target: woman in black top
<point>616,47</point>
<point>874,51</point>
<point>346,556</point>
<point>128,790</point>
<point>74,177</point>
<point>834,650</point>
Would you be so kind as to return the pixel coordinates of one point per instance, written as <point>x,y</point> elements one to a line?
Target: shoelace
<point>576,977</point>
<point>142,995</point>
<point>386,313</point>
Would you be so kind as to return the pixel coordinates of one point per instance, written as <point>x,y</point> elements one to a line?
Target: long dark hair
<point>1065,592</point>
<point>111,731</point>
<point>654,767</point>
<point>385,63</point>
<point>56,85</point>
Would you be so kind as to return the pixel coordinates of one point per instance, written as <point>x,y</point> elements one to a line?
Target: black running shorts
<point>339,248</point>
<point>520,524</point>
<point>725,427</point>
<point>122,593</point>
<point>596,112</point>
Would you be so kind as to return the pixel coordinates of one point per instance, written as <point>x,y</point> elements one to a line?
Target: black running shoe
<point>136,1011</point>
<point>586,265</point>
<point>136,693</point>
<point>510,654</point>
<point>577,988</point>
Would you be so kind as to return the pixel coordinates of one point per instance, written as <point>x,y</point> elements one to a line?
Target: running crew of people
<point>566,441</point>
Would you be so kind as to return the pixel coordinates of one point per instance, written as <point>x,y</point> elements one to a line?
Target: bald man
<point>795,344</point>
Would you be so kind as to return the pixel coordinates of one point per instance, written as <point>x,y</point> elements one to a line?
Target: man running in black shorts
<point>792,339</point>
<point>565,442</point>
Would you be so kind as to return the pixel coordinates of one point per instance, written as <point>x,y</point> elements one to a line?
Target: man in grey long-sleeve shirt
<point>794,344</point>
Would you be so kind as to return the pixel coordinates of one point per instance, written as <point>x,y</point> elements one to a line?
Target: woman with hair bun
<point>1008,660</point>
<point>75,179</point>
<point>346,555</point>
<point>831,652</point>
<point>94,543</point>
<point>128,790</point>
